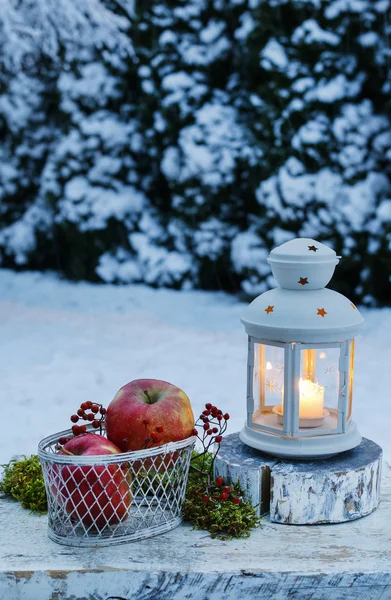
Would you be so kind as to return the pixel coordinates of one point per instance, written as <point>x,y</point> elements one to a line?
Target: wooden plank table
<point>334,562</point>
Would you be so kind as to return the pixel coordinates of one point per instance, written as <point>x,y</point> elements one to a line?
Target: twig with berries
<point>209,503</point>
<point>153,437</point>
<point>93,413</point>
<point>209,428</point>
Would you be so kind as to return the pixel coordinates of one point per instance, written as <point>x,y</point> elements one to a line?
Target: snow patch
<point>273,55</point>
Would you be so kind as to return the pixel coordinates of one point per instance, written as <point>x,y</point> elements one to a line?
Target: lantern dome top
<point>303,249</point>
<point>302,310</point>
<point>303,255</point>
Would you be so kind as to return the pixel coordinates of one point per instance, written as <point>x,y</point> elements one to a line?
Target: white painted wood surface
<point>350,561</point>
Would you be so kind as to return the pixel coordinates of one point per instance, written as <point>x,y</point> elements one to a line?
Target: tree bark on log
<point>333,490</point>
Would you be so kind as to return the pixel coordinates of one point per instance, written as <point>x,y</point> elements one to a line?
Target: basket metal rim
<point>99,459</point>
<point>92,541</point>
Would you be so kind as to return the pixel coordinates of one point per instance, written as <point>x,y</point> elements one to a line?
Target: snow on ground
<point>62,343</point>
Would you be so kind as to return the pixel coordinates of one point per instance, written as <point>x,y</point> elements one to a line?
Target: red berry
<point>84,405</point>
<point>154,436</point>
<point>195,432</point>
<point>94,408</point>
<point>208,406</point>
<point>206,413</point>
<point>74,418</point>
<point>95,424</point>
<point>62,440</point>
<point>146,422</point>
<point>219,481</point>
<point>102,410</point>
<point>76,430</point>
<point>206,426</point>
<point>218,438</point>
<point>80,412</point>
<point>236,501</point>
<point>227,489</point>
<point>214,412</point>
<point>226,416</point>
<point>224,496</point>
<point>219,412</point>
<point>89,403</point>
<point>215,430</point>
<point>90,417</point>
<point>209,432</point>
<point>219,417</point>
<point>205,498</point>
<point>82,429</point>
<point>196,493</point>
<point>160,428</point>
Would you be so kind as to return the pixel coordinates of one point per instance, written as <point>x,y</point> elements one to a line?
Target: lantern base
<point>304,492</point>
<point>316,447</point>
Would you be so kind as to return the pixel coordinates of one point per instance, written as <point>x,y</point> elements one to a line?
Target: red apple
<point>97,494</point>
<point>148,412</point>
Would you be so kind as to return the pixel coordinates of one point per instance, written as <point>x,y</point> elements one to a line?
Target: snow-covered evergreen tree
<point>176,142</point>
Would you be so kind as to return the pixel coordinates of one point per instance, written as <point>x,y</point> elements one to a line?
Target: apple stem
<point>148,396</point>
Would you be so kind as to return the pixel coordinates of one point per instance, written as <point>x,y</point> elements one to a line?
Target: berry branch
<point>91,412</point>
<point>209,429</point>
<point>153,437</point>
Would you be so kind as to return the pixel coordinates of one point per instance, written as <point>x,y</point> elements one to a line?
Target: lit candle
<point>311,400</point>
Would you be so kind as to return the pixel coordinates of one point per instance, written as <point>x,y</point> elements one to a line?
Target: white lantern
<point>300,358</point>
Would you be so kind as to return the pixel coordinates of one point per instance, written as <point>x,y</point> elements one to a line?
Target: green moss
<point>222,518</point>
<point>23,481</point>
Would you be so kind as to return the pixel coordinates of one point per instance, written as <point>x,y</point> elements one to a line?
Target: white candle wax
<point>311,399</point>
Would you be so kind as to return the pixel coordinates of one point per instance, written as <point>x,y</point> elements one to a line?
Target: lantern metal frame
<point>292,365</point>
<point>287,318</point>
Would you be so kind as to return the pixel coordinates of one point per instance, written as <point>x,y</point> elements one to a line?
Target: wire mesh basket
<point>115,498</point>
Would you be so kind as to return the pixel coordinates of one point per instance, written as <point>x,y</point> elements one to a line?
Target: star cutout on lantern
<point>313,248</point>
<point>271,385</point>
<point>280,367</point>
<point>329,369</point>
<point>353,307</point>
<point>303,280</point>
<point>269,309</point>
<point>318,389</point>
<point>322,312</point>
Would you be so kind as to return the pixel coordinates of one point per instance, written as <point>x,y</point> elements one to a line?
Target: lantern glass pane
<point>319,389</point>
<point>350,381</point>
<point>268,385</point>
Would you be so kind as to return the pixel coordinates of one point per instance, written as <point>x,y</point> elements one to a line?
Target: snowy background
<point>63,343</point>
<point>156,144</point>
<point>174,143</point>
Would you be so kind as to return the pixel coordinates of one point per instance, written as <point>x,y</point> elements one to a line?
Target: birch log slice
<point>237,462</point>
<point>334,490</point>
